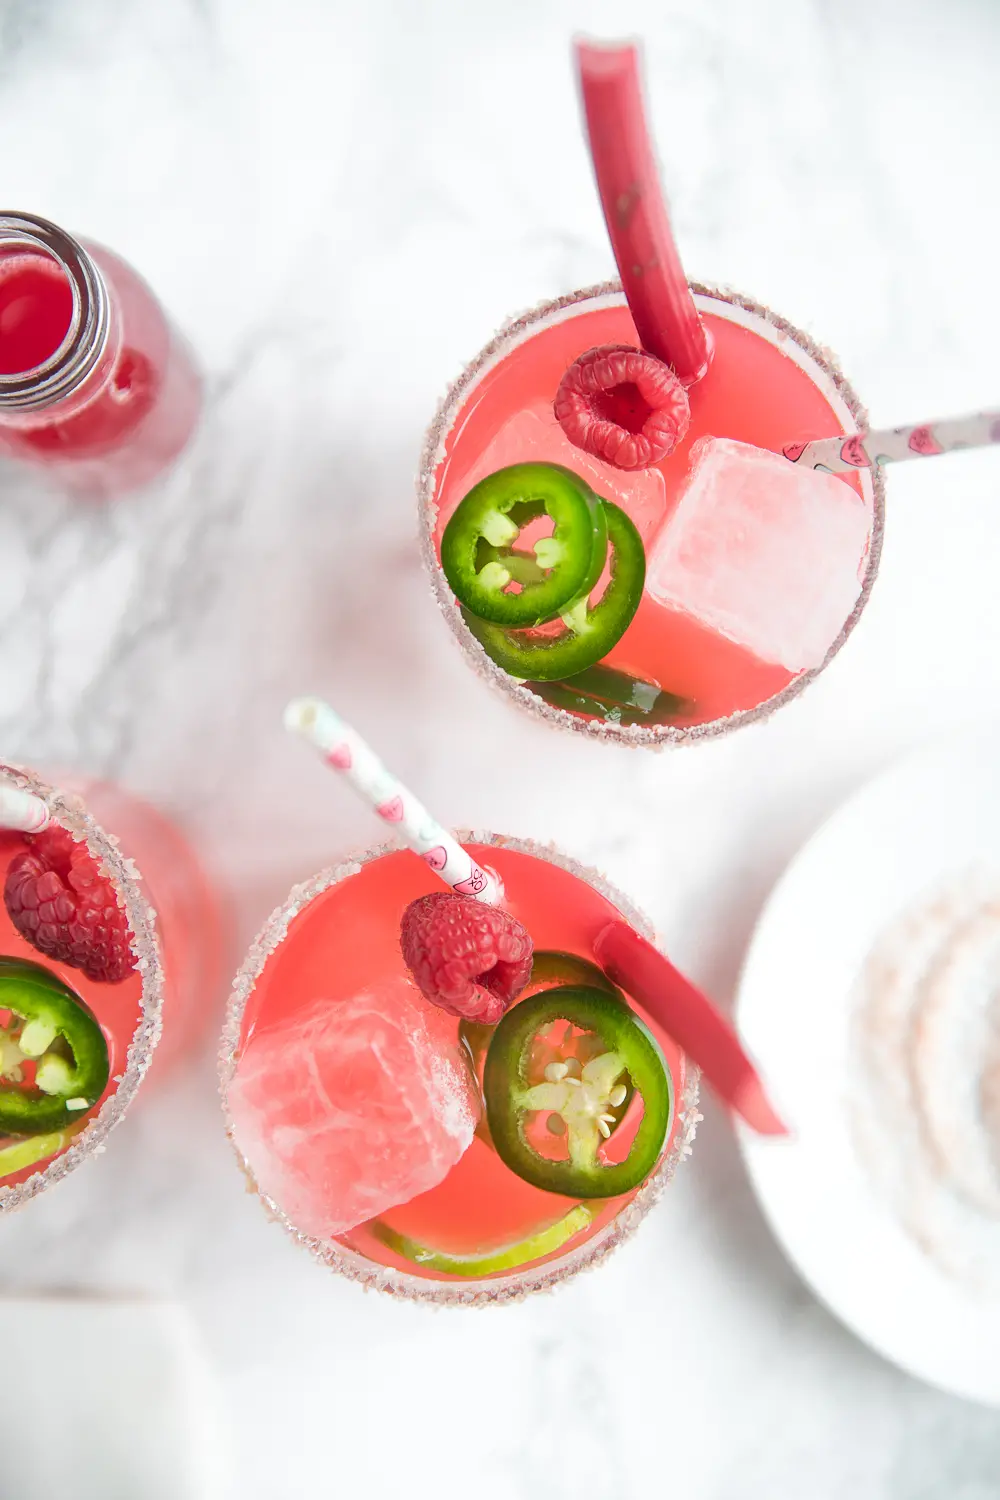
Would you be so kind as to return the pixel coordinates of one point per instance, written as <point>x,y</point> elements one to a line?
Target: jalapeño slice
<point>514,1097</point>
<point>591,631</point>
<point>487,1262</point>
<point>55,1030</point>
<point>550,969</point>
<point>615,697</point>
<point>481,563</point>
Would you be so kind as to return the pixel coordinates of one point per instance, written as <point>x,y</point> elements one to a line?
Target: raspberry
<point>469,959</point>
<point>622,405</point>
<point>62,905</point>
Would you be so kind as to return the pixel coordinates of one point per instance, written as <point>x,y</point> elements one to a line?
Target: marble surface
<point>339,203</point>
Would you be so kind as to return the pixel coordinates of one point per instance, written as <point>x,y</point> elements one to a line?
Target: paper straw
<point>344,749</point>
<point>21,810</point>
<point>893,445</point>
<point>649,265</point>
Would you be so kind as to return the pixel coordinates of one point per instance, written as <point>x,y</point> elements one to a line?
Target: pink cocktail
<point>610,517</point>
<point>154,893</point>
<point>96,386</point>
<point>766,380</point>
<point>345,1088</point>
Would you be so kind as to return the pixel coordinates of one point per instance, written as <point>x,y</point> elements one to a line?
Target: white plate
<point>927,818</point>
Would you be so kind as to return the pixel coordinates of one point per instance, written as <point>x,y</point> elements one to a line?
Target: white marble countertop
<point>339,203</point>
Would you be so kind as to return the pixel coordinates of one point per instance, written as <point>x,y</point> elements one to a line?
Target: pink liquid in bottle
<point>36,309</point>
<point>95,385</point>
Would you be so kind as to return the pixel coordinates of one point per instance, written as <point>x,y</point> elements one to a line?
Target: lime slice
<point>21,1154</point>
<point>503,1258</point>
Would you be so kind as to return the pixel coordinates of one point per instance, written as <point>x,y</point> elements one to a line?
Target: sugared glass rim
<point>68,811</point>
<point>515,331</point>
<point>351,1263</point>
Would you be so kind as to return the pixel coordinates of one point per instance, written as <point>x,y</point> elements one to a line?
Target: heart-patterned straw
<point>890,445</point>
<point>20,810</point>
<point>344,749</point>
<point>682,1010</point>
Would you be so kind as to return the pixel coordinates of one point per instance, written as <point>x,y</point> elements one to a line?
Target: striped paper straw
<point>21,810</point>
<point>892,445</point>
<point>344,749</point>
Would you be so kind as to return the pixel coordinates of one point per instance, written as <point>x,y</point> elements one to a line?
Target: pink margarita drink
<point>357,1106</point>
<point>752,579</point>
<point>612,515</point>
<point>108,958</point>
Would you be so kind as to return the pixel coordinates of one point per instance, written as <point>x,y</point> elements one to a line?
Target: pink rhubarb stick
<point>691,1019</point>
<point>653,279</point>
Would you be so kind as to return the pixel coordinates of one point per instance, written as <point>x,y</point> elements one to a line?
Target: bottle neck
<point>86,338</point>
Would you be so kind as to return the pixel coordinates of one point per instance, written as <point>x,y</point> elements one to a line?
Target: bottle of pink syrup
<point>96,387</point>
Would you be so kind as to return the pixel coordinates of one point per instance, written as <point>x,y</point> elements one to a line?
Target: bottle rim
<point>86,338</point>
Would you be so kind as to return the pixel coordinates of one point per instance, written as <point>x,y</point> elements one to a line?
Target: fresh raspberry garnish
<point>622,405</point>
<point>469,959</point>
<point>62,905</point>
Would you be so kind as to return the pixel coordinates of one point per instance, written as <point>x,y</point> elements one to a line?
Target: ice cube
<point>534,436</point>
<point>353,1106</point>
<point>762,551</point>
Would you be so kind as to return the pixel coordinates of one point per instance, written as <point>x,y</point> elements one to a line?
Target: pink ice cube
<point>353,1106</point>
<point>534,436</point>
<point>766,553</point>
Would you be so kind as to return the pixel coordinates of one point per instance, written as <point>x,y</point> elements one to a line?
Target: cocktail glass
<point>177,938</point>
<point>336,938</point>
